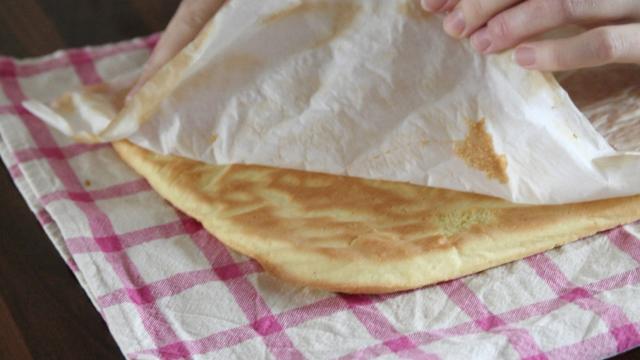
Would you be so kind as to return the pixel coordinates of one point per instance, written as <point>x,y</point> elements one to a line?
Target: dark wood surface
<point>44,313</point>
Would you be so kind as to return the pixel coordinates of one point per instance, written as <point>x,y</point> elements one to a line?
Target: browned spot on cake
<point>410,229</point>
<point>455,222</point>
<point>87,183</point>
<point>478,152</point>
<point>411,8</point>
<point>434,242</point>
<point>341,13</point>
<point>329,219</point>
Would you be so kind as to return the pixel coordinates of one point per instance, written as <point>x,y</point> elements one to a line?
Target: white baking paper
<point>365,88</point>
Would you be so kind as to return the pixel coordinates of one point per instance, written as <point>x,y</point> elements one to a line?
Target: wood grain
<point>11,341</point>
<point>27,22</point>
<point>44,313</point>
<point>46,310</point>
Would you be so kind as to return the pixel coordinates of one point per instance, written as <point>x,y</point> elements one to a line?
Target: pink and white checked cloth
<point>167,289</point>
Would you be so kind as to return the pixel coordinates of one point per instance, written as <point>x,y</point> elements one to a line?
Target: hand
<point>189,20</point>
<point>496,25</point>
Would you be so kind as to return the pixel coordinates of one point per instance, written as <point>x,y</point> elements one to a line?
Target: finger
<point>534,17</point>
<point>190,18</point>
<point>605,45</point>
<point>439,5</point>
<point>469,15</point>
<point>450,4</point>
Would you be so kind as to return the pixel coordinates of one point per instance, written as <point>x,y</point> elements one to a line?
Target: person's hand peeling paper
<point>496,25</point>
<point>491,25</point>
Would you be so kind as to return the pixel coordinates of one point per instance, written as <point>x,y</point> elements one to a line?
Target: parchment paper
<point>374,89</point>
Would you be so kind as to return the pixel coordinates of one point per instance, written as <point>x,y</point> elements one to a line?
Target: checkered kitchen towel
<point>167,289</point>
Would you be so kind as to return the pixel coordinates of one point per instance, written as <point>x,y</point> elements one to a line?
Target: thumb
<point>189,20</point>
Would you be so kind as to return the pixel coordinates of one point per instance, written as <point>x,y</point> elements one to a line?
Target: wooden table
<point>44,313</point>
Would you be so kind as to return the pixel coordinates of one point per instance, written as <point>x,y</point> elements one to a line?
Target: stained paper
<point>373,89</point>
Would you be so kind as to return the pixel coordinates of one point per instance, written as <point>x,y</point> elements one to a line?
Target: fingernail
<point>454,23</point>
<point>481,41</point>
<point>433,5</point>
<point>525,56</point>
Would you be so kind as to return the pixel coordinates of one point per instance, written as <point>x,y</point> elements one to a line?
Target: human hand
<point>189,20</point>
<point>496,25</point>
